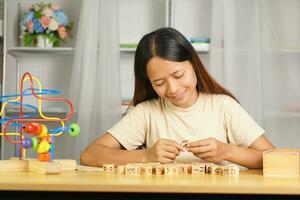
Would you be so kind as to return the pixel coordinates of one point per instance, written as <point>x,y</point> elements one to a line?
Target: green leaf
<point>27,39</point>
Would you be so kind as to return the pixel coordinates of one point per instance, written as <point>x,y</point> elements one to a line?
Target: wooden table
<point>250,182</point>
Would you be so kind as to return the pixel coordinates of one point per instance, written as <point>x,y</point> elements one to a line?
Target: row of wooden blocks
<point>171,169</point>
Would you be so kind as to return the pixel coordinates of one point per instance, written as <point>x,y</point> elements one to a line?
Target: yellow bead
<point>44,131</point>
<point>43,147</point>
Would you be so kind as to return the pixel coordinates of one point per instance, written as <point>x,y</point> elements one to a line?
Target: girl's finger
<point>205,155</point>
<point>200,143</point>
<point>171,149</point>
<point>200,149</point>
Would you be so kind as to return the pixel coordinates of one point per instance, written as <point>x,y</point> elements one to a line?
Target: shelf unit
<point>22,51</point>
<point>50,65</point>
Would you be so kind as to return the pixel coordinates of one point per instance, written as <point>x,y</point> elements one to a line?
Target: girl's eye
<point>160,83</point>
<point>179,75</point>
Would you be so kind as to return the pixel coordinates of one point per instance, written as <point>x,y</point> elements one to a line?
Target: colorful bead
<point>27,143</point>
<point>44,157</point>
<point>44,131</point>
<point>74,130</point>
<point>33,128</point>
<point>34,141</point>
<point>43,147</point>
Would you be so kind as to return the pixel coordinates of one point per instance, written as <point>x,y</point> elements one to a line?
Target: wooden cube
<point>216,170</point>
<point>281,162</point>
<point>234,170</point>
<point>132,169</point>
<point>225,170</point>
<point>158,169</point>
<point>109,168</point>
<point>146,169</point>
<point>170,169</point>
<point>198,168</point>
<point>183,168</point>
<point>121,169</point>
<point>208,167</point>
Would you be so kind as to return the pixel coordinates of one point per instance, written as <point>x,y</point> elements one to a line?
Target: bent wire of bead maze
<point>42,139</point>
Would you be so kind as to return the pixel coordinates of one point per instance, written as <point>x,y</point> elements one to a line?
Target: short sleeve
<point>131,130</point>
<point>240,126</point>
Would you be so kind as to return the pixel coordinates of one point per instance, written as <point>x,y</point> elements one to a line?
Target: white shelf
<point>20,51</point>
<point>132,50</point>
<point>127,49</point>
<point>52,110</point>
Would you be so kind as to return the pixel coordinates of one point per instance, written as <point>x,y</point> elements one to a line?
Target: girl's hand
<point>163,151</point>
<point>210,150</point>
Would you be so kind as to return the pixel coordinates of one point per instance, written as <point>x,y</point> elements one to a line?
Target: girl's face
<point>174,81</point>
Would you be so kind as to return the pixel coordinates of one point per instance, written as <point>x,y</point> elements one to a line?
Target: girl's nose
<point>172,87</point>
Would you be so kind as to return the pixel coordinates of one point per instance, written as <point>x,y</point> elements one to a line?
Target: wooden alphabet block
<point>170,169</point>
<point>183,168</point>
<point>158,169</point>
<point>198,168</point>
<point>109,168</point>
<point>233,170</point>
<point>146,169</point>
<point>216,170</point>
<point>208,167</point>
<point>132,169</point>
<point>121,169</point>
<point>225,170</point>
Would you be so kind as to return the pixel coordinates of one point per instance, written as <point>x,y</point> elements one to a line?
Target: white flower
<point>53,25</point>
<point>48,12</point>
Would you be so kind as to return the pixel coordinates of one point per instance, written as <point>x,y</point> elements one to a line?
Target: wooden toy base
<point>33,165</point>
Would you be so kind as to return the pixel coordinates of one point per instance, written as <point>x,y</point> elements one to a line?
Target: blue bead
<point>27,143</point>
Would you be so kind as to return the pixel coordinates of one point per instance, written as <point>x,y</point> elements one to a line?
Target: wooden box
<point>281,162</point>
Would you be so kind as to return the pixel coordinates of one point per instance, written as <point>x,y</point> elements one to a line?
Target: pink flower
<point>54,6</point>
<point>48,12</point>
<point>62,32</point>
<point>45,21</point>
<point>30,26</point>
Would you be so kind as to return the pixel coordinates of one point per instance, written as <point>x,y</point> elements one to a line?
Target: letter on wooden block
<point>109,168</point>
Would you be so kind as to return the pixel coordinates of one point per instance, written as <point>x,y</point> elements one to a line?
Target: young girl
<point>175,99</point>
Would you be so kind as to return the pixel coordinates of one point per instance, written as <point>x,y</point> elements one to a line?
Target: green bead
<point>74,130</point>
<point>34,143</point>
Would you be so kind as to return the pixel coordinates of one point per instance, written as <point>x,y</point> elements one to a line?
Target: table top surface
<point>247,182</point>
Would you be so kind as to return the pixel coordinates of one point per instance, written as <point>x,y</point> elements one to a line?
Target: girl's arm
<point>215,151</point>
<point>107,149</point>
<point>249,157</point>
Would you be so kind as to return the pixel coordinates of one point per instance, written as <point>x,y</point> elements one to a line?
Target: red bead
<point>33,128</point>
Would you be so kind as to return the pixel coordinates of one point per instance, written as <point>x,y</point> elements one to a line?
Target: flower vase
<point>43,42</point>
<point>48,43</point>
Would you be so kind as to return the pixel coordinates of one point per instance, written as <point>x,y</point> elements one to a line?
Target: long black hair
<point>168,43</point>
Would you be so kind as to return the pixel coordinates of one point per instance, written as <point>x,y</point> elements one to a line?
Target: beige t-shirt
<point>217,116</point>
